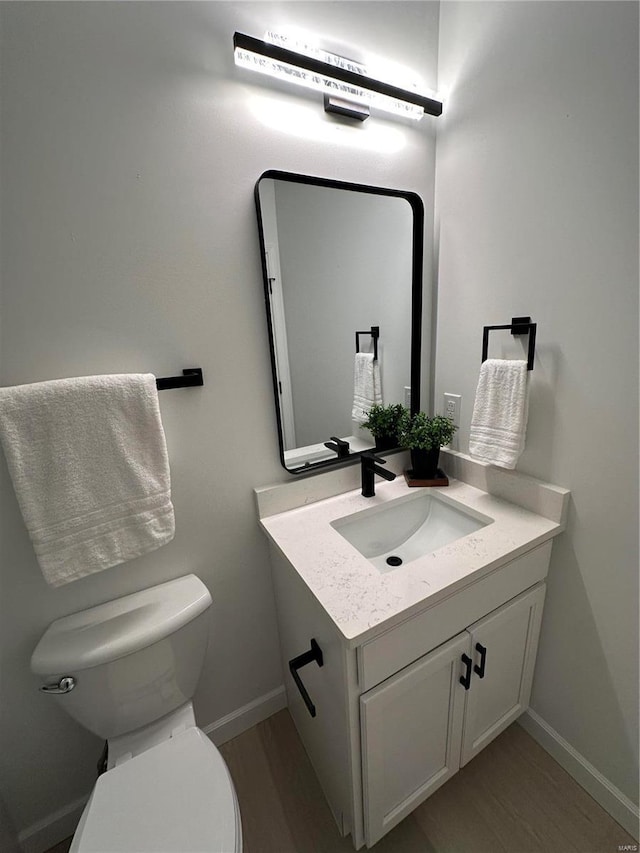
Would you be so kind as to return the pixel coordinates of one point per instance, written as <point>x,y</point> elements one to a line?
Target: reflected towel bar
<point>518,326</point>
<point>374,331</point>
<point>191,378</point>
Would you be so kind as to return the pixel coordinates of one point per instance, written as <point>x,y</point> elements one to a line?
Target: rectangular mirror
<point>338,258</point>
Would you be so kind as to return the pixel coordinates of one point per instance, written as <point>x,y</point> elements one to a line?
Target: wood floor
<point>512,798</point>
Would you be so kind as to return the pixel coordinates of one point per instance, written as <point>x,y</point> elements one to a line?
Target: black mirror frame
<point>417,262</point>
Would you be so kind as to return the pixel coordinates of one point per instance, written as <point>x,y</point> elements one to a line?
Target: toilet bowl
<point>127,670</point>
<point>175,796</point>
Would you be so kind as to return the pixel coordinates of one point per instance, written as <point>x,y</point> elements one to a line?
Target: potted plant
<point>424,436</point>
<point>384,422</point>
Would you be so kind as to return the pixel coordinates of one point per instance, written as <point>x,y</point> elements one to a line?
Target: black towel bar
<point>191,378</point>
<point>374,331</point>
<point>517,326</point>
<point>314,654</point>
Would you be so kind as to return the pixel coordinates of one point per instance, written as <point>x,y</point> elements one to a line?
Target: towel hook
<point>374,331</point>
<point>517,326</point>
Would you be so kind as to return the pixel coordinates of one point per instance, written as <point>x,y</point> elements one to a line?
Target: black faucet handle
<point>340,441</point>
<point>369,469</point>
<point>369,454</point>
<point>341,447</point>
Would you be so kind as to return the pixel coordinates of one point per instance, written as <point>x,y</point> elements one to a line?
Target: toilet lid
<point>176,797</point>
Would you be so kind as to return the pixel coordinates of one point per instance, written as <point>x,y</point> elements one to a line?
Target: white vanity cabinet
<point>509,638</point>
<point>411,729</point>
<point>421,725</point>
<point>394,718</point>
<point>423,665</point>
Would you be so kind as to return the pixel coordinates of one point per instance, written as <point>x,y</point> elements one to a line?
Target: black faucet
<point>369,469</point>
<point>340,447</point>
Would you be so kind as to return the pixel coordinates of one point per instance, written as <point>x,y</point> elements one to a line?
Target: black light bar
<point>274,52</point>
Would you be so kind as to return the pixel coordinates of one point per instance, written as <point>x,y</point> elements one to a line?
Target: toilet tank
<point>133,659</point>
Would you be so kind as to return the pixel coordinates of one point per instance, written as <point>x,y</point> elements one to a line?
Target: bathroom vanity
<point>422,663</point>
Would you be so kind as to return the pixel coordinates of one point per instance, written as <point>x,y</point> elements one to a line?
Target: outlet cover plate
<point>452,405</point>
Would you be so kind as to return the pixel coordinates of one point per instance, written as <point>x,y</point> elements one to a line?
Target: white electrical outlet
<point>407,396</point>
<point>452,404</point>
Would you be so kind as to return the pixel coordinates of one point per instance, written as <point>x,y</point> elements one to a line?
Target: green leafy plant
<point>385,420</point>
<point>420,432</point>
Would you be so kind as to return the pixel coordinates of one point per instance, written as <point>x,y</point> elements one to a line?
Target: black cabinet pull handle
<point>483,659</point>
<point>314,654</point>
<point>465,679</point>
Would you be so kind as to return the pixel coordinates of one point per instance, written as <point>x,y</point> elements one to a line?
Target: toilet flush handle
<point>65,685</point>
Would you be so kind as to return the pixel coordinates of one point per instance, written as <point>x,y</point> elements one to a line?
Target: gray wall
<point>131,145</point>
<point>537,213</point>
<point>8,836</point>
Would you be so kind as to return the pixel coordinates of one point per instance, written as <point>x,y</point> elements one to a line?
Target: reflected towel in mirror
<point>367,387</point>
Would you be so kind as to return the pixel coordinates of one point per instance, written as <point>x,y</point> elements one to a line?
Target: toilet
<point>127,670</point>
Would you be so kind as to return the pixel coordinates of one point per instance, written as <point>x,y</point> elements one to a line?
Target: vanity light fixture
<point>347,88</point>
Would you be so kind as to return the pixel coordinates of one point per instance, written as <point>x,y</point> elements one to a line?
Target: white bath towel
<point>367,390</point>
<point>499,422</point>
<point>89,465</point>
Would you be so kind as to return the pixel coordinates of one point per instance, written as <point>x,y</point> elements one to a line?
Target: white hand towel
<point>89,465</point>
<point>367,389</point>
<point>499,422</point>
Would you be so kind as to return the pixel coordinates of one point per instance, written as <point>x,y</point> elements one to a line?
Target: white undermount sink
<point>398,532</point>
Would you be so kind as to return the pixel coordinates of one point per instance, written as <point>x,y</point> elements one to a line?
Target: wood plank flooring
<point>512,798</point>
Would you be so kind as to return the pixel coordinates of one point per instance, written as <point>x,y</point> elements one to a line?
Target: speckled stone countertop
<point>357,597</point>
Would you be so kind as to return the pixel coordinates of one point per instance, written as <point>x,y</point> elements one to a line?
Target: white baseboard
<point>243,718</point>
<point>61,824</point>
<point>52,829</point>
<point>600,788</point>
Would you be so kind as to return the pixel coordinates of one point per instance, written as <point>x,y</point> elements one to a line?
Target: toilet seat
<point>176,797</point>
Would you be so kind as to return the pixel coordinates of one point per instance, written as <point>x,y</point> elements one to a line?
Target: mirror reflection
<point>342,265</point>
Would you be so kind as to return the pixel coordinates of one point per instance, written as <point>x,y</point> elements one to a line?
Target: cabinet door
<point>411,727</point>
<point>500,693</point>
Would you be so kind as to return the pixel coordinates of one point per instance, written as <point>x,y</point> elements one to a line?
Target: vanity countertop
<point>358,598</point>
